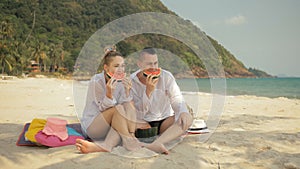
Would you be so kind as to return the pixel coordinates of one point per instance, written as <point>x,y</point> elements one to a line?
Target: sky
<point>263,34</point>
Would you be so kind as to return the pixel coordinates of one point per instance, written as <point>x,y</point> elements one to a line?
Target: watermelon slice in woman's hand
<point>119,76</point>
<point>155,72</point>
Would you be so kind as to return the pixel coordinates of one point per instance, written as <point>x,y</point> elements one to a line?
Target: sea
<point>265,87</point>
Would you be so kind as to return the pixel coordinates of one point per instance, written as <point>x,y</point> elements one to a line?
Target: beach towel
<point>119,150</point>
<point>23,141</point>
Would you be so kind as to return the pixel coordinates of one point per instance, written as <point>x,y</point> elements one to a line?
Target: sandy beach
<point>254,132</point>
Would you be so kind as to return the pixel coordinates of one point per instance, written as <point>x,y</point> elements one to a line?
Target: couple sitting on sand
<point>114,110</point>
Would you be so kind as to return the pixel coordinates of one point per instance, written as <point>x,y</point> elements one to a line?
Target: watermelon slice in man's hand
<point>155,72</point>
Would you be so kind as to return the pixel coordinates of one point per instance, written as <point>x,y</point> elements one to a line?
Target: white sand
<point>254,132</point>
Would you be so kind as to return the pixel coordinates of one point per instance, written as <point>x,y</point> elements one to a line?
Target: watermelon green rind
<point>152,71</point>
<point>146,133</point>
<point>109,75</point>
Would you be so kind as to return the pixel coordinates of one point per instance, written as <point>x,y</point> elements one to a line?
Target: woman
<point>108,112</point>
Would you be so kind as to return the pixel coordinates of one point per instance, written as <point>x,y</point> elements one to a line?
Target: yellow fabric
<point>35,126</point>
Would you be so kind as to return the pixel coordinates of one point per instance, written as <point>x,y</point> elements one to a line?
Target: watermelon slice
<point>152,71</point>
<point>119,76</point>
<point>146,133</point>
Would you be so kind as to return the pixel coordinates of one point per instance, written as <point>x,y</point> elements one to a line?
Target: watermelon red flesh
<point>152,71</point>
<point>118,76</point>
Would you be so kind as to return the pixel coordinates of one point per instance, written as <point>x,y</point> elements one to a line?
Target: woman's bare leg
<point>85,146</point>
<point>130,116</point>
<point>100,128</point>
<point>110,120</point>
<point>112,139</point>
<point>119,121</point>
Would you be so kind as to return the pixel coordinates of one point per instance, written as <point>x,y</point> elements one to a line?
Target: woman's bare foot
<point>89,147</point>
<point>131,143</point>
<point>157,147</point>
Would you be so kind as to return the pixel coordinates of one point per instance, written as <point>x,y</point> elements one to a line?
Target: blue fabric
<point>73,132</point>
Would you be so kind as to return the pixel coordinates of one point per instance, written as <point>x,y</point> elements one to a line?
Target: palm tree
<point>16,55</point>
<point>61,55</point>
<point>6,32</point>
<point>52,56</point>
<point>39,55</point>
<point>45,60</point>
<point>4,59</point>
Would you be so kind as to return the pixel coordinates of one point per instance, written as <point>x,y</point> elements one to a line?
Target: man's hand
<point>185,120</point>
<point>150,84</point>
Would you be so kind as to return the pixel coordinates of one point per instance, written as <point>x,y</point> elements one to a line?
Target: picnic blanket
<point>118,150</point>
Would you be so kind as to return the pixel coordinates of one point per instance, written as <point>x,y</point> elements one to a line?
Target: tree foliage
<point>52,33</point>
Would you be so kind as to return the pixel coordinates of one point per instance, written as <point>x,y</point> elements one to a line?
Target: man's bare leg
<point>171,133</point>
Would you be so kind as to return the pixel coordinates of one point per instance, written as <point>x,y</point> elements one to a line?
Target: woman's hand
<point>127,85</point>
<point>110,87</point>
<point>142,124</point>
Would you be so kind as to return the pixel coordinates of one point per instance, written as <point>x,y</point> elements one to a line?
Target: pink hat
<point>56,127</point>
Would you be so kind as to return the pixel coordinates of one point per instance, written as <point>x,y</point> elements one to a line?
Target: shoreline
<point>240,96</point>
<point>228,89</point>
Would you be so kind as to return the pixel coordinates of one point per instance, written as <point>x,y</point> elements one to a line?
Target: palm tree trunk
<point>33,23</point>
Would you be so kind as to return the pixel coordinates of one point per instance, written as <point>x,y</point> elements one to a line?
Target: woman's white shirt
<point>97,101</point>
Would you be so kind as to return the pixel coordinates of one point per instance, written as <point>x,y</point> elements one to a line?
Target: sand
<point>254,132</point>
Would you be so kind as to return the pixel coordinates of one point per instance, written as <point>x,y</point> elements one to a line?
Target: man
<point>159,102</point>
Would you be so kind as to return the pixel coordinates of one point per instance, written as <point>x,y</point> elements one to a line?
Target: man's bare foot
<point>89,147</point>
<point>131,143</point>
<point>157,147</point>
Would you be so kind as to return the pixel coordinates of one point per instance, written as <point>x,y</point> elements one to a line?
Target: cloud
<point>236,20</point>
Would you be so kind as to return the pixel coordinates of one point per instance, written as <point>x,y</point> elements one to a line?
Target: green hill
<point>52,33</point>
